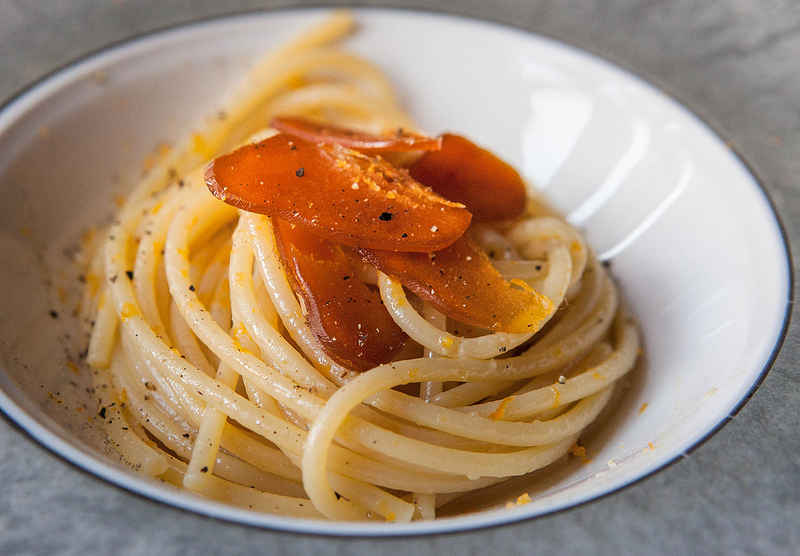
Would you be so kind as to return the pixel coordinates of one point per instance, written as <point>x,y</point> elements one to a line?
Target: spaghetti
<point>211,378</point>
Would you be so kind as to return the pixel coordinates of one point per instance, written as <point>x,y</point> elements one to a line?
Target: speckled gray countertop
<point>735,63</point>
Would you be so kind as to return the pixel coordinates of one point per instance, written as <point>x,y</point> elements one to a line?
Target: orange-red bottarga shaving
<point>398,140</point>
<point>347,317</point>
<point>343,195</point>
<point>461,282</point>
<point>463,172</point>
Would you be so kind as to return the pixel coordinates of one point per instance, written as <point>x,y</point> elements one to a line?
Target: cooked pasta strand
<point>212,379</point>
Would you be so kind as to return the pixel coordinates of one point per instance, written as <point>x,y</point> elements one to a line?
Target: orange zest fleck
<point>579,451</point>
<point>501,409</point>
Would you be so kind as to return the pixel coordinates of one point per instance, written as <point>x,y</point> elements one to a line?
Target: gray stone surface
<point>735,63</point>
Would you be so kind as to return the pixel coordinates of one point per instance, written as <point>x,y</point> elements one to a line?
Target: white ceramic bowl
<point>689,232</point>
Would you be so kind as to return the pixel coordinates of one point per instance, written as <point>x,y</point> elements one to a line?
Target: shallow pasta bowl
<point>688,232</point>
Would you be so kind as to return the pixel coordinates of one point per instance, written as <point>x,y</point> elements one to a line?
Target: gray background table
<point>736,63</point>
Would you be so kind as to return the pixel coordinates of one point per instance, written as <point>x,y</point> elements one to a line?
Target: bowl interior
<point>687,230</point>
